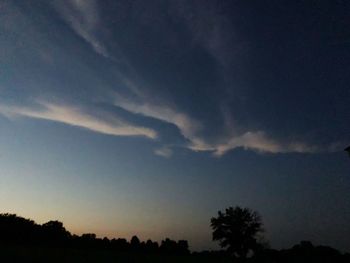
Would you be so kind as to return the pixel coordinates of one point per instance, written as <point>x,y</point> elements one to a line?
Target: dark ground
<point>55,255</point>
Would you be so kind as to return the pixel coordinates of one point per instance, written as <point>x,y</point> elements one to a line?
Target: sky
<point>147,117</point>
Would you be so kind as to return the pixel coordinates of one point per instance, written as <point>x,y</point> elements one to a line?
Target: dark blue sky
<point>146,117</point>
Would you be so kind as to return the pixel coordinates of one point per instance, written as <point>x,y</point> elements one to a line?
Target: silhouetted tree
<point>18,230</point>
<point>151,247</point>
<point>88,236</point>
<point>135,243</point>
<point>54,232</point>
<point>347,149</point>
<point>88,240</point>
<point>237,230</point>
<point>120,244</point>
<point>168,246</point>
<point>182,247</point>
<point>15,230</point>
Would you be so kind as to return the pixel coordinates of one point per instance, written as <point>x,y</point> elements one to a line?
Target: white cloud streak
<point>258,141</point>
<point>165,152</point>
<point>83,17</point>
<point>76,117</point>
<point>250,140</point>
<point>187,126</point>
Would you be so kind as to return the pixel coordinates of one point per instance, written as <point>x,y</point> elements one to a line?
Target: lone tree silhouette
<point>237,230</point>
<point>347,149</point>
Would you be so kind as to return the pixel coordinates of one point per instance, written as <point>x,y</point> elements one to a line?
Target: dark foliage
<point>237,230</point>
<point>347,149</point>
<point>15,230</point>
<point>175,248</point>
<point>303,252</point>
<point>53,232</point>
<point>22,240</point>
<point>18,230</point>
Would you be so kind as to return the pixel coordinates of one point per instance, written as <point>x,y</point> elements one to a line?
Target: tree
<point>237,230</point>
<point>54,232</point>
<point>135,243</point>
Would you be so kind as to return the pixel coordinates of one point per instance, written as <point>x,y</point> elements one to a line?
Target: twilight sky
<point>147,117</point>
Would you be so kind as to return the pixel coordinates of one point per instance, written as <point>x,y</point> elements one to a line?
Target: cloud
<point>187,126</point>
<point>76,117</point>
<point>258,141</point>
<point>210,28</point>
<point>164,152</point>
<point>83,17</point>
<point>190,128</point>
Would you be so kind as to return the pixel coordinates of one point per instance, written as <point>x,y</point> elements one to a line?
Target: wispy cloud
<point>209,27</point>
<point>77,117</point>
<point>83,17</point>
<point>165,152</point>
<point>260,142</point>
<point>190,128</point>
<point>187,126</point>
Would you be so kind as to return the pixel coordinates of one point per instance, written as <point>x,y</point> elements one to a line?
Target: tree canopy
<point>237,230</point>
<point>15,230</point>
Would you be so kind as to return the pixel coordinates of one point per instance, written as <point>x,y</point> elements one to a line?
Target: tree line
<point>239,232</point>
<point>16,230</point>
